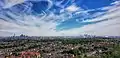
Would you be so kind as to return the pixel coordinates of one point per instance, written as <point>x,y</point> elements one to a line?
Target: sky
<point>60,17</point>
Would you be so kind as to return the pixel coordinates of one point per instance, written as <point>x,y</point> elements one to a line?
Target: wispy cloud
<point>45,24</point>
<point>110,26</point>
<point>10,3</point>
<point>73,8</point>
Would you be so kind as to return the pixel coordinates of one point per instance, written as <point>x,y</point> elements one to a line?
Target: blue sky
<point>68,17</point>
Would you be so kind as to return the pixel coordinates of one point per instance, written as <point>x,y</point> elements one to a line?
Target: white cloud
<point>30,25</point>
<point>109,27</point>
<point>72,8</point>
<point>46,25</point>
<point>10,3</point>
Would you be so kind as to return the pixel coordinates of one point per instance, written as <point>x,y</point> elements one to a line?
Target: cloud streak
<point>110,26</point>
<point>46,24</point>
